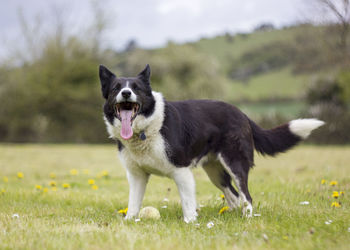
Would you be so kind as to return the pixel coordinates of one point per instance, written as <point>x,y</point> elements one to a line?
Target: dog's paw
<point>129,216</point>
<point>247,210</point>
<point>191,218</point>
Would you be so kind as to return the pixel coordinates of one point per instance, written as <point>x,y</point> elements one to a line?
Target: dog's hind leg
<point>238,170</point>
<point>222,180</point>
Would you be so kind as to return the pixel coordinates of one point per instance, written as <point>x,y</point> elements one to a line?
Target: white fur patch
<point>303,127</point>
<point>132,97</point>
<point>187,189</point>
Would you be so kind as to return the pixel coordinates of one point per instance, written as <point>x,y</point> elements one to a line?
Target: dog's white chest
<point>149,155</point>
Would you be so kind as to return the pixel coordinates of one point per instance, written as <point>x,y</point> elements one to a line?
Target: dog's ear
<point>145,74</point>
<point>106,78</point>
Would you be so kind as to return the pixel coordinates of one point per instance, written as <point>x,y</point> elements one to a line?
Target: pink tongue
<point>126,131</point>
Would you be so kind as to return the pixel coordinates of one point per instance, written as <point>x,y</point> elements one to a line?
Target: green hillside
<point>226,47</point>
<point>281,84</point>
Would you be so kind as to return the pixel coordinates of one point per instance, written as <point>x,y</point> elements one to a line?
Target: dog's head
<point>126,98</point>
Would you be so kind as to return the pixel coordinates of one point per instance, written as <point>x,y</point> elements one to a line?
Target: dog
<point>155,136</point>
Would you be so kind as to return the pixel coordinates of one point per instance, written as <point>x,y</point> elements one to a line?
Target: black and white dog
<point>155,136</point>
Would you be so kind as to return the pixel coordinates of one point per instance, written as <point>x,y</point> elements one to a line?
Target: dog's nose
<point>126,94</point>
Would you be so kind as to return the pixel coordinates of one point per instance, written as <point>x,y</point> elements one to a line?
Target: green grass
<point>80,217</point>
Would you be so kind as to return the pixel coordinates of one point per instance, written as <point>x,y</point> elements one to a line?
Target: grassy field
<point>277,84</point>
<point>85,216</point>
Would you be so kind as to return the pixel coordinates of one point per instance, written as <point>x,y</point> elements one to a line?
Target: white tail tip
<point>303,127</point>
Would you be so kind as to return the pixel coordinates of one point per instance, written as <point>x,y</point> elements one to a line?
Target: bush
<point>55,98</point>
<point>328,103</point>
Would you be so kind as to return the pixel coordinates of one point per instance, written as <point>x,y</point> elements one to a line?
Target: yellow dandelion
<point>285,237</point>
<point>123,211</point>
<point>2,191</point>
<point>222,210</point>
<point>335,194</point>
<point>74,172</point>
<point>86,171</point>
<point>104,173</point>
<point>5,179</point>
<point>20,175</point>
<point>45,190</point>
<point>52,175</point>
<point>335,204</point>
<point>323,181</point>
<point>308,191</point>
<point>91,181</point>
<point>65,185</point>
<point>52,183</point>
<point>94,187</point>
<point>222,196</point>
<point>333,183</point>
<point>54,189</point>
<point>38,187</point>
<point>341,193</point>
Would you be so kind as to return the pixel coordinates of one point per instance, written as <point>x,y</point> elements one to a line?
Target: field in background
<point>277,84</point>
<point>82,217</point>
<point>225,49</point>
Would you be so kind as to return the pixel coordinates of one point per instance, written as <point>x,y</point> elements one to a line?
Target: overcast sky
<point>152,22</point>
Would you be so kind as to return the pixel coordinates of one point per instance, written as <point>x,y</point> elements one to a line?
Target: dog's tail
<point>281,138</point>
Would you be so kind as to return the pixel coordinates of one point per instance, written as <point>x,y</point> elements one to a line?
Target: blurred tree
<point>344,83</point>
<point>340,9</point>
<point>53,95</point>
<point>329,102</point>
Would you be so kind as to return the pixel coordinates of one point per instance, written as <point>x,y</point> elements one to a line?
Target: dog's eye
<point>134,87</point>
<point>117,87</point>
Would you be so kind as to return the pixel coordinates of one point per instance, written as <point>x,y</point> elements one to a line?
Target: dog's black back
<point>195,128</point>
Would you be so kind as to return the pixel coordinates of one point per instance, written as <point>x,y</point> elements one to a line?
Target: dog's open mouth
<point>126,112</point>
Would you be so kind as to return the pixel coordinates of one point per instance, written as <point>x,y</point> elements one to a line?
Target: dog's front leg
<point>137,185</point>
<point>187,188</point>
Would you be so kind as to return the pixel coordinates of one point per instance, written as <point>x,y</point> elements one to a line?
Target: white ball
<point>149,213</point>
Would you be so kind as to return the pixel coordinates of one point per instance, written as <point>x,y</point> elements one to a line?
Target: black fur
<point>194,128</point>
<point>273,141</point>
